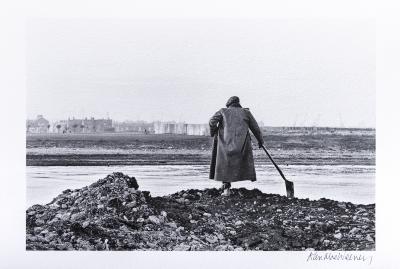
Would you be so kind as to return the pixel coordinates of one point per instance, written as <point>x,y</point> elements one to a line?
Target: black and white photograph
<point>190,135</point>
<point>199,135</point>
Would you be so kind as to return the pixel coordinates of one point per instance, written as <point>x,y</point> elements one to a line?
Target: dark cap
<point>233,100</point>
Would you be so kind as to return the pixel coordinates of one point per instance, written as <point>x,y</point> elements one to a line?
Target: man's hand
<point>260,145</point>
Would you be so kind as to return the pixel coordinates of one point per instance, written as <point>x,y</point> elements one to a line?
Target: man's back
<point>233,158</point>
<point>234,128</point>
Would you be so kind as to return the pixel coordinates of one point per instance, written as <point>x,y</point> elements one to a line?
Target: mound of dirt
<point>112,214</point>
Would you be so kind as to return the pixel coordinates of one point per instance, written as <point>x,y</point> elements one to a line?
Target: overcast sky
<point>288,72</point>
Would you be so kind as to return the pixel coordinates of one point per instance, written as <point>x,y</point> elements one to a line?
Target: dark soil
<point>112,214</point>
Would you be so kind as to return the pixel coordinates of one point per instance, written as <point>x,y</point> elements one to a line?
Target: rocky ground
<point>113,214</point>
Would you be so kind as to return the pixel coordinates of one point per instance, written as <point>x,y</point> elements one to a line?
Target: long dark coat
<point>232,153</point>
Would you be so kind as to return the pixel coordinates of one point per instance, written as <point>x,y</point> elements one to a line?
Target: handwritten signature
<point>338,256</point>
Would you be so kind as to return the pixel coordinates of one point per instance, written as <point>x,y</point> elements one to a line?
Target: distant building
<point>86,125</point>
<point>134,127</point>
<point>181,128</point>
<point>164,127</point>
<point>198,129</point>
<point>60,127</point>
<point>38,125</point>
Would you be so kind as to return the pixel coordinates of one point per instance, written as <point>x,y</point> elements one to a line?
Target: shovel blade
<point>289,189</point>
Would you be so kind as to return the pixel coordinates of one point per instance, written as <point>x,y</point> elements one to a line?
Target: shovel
<point>289,184</point>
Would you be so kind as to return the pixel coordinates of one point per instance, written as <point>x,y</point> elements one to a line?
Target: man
<point>232,158</point>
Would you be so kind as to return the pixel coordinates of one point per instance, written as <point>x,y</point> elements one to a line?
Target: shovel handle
<point>276,166</point>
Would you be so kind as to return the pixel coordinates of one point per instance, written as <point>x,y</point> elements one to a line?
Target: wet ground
<point>351,183</point>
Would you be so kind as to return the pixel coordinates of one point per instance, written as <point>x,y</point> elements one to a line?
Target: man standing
<point>232,158</point>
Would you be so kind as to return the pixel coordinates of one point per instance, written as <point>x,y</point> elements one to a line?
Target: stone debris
<point>113,214</point>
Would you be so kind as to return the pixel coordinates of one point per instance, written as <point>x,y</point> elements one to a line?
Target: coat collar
<point>235,105</point>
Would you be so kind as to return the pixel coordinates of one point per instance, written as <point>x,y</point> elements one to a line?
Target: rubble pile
<point>113,214</point>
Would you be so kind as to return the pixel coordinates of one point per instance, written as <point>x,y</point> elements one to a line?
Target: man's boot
<point>226,189</point>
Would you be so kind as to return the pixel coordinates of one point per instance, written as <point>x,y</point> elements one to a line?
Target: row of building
<point>92,125</point>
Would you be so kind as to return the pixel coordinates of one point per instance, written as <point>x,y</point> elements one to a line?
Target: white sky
<point>288,72</point>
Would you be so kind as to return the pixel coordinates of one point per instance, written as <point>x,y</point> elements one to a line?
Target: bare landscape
<point>301,147</point>
<point>118,151</point>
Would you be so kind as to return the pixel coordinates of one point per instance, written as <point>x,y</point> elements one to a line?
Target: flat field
<point>294,147</point>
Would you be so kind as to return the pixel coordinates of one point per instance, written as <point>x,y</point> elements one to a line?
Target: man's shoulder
<point>246,110</point>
